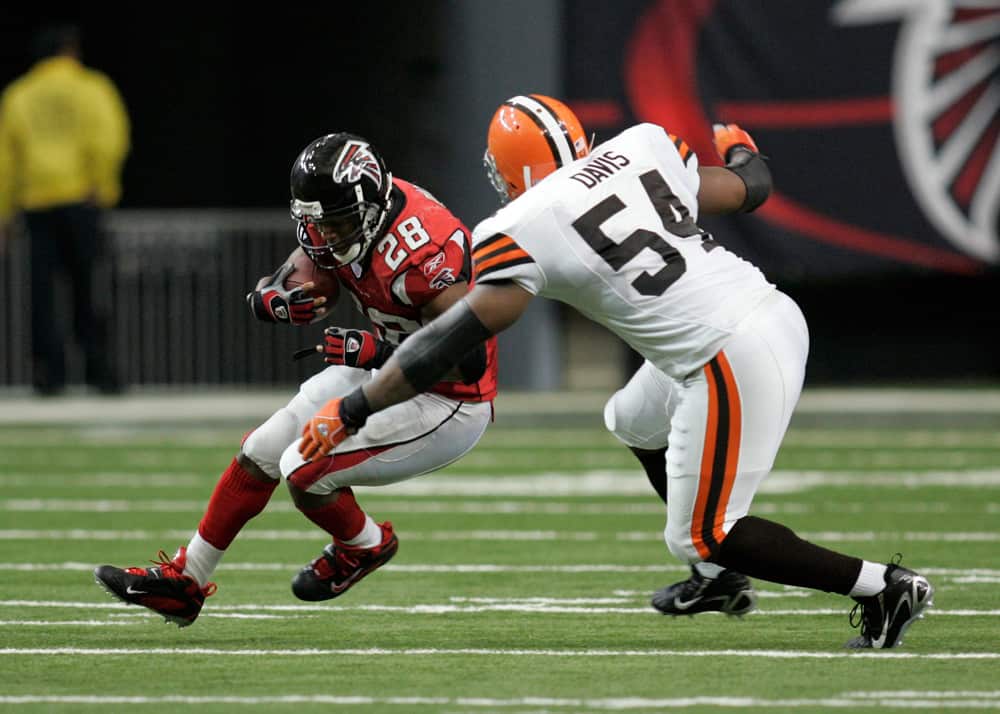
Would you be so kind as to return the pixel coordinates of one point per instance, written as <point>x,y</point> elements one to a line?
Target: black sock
<point>654,461</point>
<point>770,551</point>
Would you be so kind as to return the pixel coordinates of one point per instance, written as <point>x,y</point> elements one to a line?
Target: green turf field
<point>521,583</point>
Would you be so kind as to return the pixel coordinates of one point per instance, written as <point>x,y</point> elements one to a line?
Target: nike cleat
<point>731,593</point>
<point>340,566</point>
<point>164,588</point>
<point>885,617</point>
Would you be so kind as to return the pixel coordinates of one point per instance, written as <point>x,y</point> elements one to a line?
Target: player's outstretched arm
<point>470,369</point>
<point>419,363</point>
<point>744,183</point>
<point>432,351</point>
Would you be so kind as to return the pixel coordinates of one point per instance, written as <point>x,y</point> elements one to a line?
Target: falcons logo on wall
<point>355,161</point>
<point>946,92</point>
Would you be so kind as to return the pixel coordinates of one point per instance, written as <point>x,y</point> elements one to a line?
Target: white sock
<point>202,559</point>
<point>871,580</point>
<point>708,570</point>
<point>369,537</point>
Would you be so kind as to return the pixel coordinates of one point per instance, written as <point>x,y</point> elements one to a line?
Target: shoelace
<point>345,560</point>
<point>327,566</point>
<point>695,585</point>
<point>166,563</point>
<point>858,619</point>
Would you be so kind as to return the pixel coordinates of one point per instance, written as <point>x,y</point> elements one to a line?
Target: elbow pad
<point>752,170</point>
<point>432,351</point>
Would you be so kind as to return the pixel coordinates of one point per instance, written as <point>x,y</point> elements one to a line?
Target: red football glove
<point>272,302</point>
<point>354,348</point>
<point>729,137</point>
<point>323,432</point>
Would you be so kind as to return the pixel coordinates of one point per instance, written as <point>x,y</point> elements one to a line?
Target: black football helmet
<point>340,198</point>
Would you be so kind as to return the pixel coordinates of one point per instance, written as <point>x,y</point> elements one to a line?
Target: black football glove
<point>354,348</point>
<point>273,302</point>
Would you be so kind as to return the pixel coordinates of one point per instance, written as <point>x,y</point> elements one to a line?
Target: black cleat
<point>164,588</point>
<point>730,593</point>
<point>340,566</point>
<point>885,617</point>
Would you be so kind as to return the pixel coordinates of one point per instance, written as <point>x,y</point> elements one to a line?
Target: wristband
<point>753,171</point>
<point>354,409</point>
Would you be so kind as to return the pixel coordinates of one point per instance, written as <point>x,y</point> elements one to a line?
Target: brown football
<point>307,271</point>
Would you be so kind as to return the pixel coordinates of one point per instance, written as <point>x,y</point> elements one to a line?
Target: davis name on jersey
<point>614,235</point>
<point>424,252</point>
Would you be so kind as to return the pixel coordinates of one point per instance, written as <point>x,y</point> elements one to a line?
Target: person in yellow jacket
<point>64,137</point>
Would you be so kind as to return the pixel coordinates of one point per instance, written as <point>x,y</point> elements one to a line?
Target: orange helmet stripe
<point>551,126</point>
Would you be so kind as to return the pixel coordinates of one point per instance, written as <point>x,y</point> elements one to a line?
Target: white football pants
<point>722,425</point>
<point>412,438</point>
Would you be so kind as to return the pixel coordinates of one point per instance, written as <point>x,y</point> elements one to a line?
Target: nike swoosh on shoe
<point>681,605</point>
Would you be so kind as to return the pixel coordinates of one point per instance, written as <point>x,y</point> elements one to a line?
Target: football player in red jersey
<point>404,258</point>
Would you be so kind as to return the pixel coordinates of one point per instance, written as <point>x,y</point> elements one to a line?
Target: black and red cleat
<point>163,588</point>
<point>341,566</point>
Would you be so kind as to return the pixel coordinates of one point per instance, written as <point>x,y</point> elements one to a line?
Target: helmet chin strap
<point>352,253</point>
<point>358,249</point>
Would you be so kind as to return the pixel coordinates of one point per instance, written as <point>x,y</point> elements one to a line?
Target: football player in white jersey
<point>612,231</point>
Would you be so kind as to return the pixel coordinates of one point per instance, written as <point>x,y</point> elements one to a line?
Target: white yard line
<point>552,484</point>
<point>489,535</point>
<point>542,605</point>
<point>956,574</point>
<point>557,508</point>
<point>886,700</point>
<point>147,406</point>
<point>481,652</point>
<point>476,568</point>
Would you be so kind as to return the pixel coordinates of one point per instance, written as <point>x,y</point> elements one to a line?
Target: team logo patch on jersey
<point>433,264</point>
<point>443,279</point>
<point>357,160</point>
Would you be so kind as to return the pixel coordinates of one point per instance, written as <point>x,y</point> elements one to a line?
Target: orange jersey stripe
<point>732,446</point>
<point>682,148</point>
<point>492,247</point>
<point>506,257</point>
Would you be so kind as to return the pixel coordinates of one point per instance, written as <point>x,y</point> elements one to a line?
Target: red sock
<point>343,519</point>
<point>237,498</point>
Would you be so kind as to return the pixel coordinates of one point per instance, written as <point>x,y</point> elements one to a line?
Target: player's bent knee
<point>253,468</point>
<point>268,442</point>
<point>306,501</point>
<point>620,418</point>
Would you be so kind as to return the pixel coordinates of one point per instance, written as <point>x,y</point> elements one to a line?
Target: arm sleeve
<point>443,343</point>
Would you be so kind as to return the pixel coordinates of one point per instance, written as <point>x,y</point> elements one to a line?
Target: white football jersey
<point>614,235</point>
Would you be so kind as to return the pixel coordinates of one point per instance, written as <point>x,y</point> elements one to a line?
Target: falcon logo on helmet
<point>341,198</point>
<point>357,160</point>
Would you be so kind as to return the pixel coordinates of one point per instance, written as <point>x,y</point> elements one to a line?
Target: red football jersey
<point>425,250</point>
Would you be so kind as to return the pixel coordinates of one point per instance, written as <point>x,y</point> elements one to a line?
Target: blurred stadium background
<point>883,224</point>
